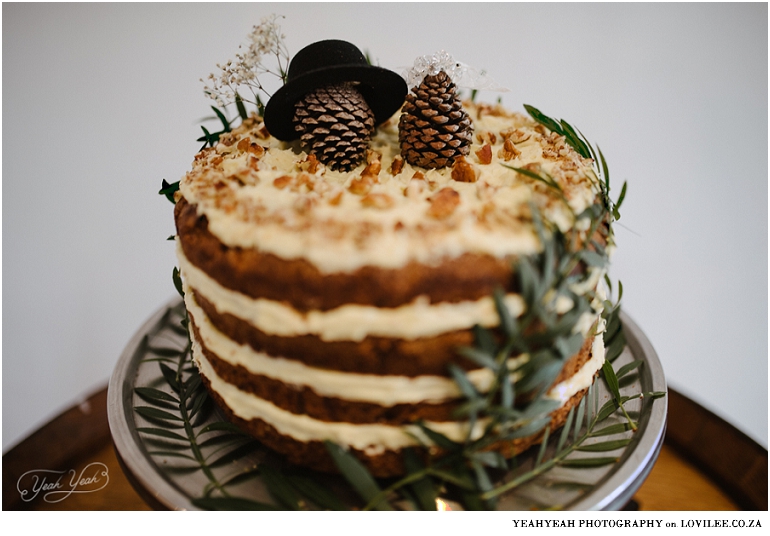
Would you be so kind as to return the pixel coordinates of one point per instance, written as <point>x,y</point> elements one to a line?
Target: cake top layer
<point>259,192</point>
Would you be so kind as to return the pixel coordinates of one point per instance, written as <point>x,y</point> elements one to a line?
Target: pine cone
<point>434,129</point>
<point>336,124</point>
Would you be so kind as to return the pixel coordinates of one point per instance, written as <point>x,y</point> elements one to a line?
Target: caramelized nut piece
<point>516,135</point>
<point>415,187</point>
<point>372,168</point>
<point>486,136</point>
<point>485,154</point>
<point>509,150</point>
<point>282,182</point>
<point>243,145</point>
<point>463,171</point>
<point>376,200</point>
<point>362,184</point>
<point>396,166</point>
<point>444,203</point>
<point>310,164</point>
<point>336,198</point>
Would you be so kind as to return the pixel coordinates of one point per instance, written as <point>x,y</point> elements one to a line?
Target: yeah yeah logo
<point>55,486</point>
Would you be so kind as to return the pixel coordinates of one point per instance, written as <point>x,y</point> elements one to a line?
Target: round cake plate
<point>166,479</point>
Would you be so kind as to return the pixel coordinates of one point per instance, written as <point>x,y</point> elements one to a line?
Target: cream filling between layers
<point>415,320</point>
<point>370,438</point>
<point>383,390</point>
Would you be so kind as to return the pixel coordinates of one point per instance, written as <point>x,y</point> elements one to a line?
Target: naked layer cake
<point>330,293</point>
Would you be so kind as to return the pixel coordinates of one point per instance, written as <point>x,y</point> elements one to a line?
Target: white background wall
<point>101,102</point>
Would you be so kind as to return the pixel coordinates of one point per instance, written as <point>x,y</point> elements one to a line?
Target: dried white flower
<point>265,41</point>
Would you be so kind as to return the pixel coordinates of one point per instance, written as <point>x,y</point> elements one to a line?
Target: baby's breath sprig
<point>265,43</point>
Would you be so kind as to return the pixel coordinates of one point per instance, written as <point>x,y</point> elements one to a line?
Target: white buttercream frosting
<point>274,200</point>
<point>348,322</point>
<point>371,438</point>
<point>377,389</point>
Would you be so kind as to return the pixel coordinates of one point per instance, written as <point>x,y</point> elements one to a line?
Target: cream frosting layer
<point>348,322</point>
<point>383,390</point>
<point>270,198</point>
<point>370,438</point>
<point>584,377</point>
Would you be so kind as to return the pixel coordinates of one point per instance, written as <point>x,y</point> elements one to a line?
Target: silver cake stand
<point>165,472</point>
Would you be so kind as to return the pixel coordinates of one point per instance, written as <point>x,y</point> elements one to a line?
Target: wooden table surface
<point>691,473</point>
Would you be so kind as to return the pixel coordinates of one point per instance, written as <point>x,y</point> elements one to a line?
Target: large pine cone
<point>434,129</point>
<point>336,124</point>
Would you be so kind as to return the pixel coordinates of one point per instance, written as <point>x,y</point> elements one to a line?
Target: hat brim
<point>383,90</point>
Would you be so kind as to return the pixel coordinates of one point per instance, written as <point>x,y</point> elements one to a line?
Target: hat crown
<point>324,54</point>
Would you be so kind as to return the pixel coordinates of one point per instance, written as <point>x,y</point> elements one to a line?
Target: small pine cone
<point>336,124</point>
<point>434,129</point>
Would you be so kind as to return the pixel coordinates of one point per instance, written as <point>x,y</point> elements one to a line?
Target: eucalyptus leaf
<point>463,383</point>
<point>165,352</point>
<point>592,258</point>
<point>616,347</point>
<point>529,428</point>
<point>570,345</point>
<point>478,356</point>
<point>193,386</point>
<point>241,476</point>
<point>610,407</point>
<point>161,432</point>
<point>604,446</point>
<point>625,369</point>
<point>611,429</point>
<point>587,463</point>
<point>177,278</point>
<point>612,381</point>
<point>439,439</point>
<point>170,376</point>
<point>484,339</point>
<point>232,440</point>
<point>483,481</point>
<point>168,190</point>
<point>575,141</point>
<point>171,454</point>
<point>543,446</point>
<point>543,119</point>
<point>423,490</point>
<point>235,454</point>
<point>579,416</point>
<point>240,107</point>
<point>357,475</point>
<point>315,493</point>
<point>279,488</point>
<point>221,426</point>
<point>198,403</point>
<point>507,322</point>
<point>490,458</point>
<point>565,430</point>
<point>155,413</point>
<point>151,394</point>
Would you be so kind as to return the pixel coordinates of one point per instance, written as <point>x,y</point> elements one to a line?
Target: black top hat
<point>331,62</point>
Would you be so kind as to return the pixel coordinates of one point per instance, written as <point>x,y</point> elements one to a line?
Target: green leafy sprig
<point>210,139</point>
<point>586,150</point>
